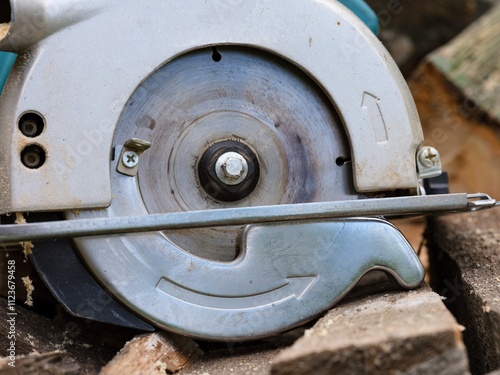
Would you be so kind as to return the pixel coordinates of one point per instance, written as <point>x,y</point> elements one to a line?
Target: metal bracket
<point>428,162</point>
<point>128,164</point>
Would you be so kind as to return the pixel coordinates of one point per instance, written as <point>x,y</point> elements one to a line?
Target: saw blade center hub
<point>231,168</point>
<point>228,171</point>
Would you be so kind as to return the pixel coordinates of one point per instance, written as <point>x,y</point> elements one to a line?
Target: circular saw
<point>220,169</point>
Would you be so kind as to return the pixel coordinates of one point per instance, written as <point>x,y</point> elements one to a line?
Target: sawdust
<point>30,339</point>
<point>27,246</point>
<point>4,29</point>
<point>20,219</point>
<point>153,343</point>
<point>29,290</point>
<point>161,367</point>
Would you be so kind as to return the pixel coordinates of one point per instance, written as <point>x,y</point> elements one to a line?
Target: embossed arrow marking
<point>295,288</point>
<point>286,274</point>
<point>370,105</point>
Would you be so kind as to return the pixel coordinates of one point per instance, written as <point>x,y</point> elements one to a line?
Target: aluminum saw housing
<point>80,62</point>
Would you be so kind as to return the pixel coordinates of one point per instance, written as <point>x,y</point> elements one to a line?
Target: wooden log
<point>154,353</point>
<point>90,344</point>
<point>396,332</point>
<point>453,118</point>
<point>412,29</point>
<point>471,62</point>
<point>53,363</point>
<point>465,268</point>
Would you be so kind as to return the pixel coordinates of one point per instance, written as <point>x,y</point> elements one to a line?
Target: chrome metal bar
<point>479,201</point>
<point>241,216</point>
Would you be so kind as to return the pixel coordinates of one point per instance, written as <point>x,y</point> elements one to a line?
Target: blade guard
<point>286,275</point>
<point>59,41</point>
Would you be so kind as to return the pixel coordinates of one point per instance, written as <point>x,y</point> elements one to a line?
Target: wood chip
<point>154,353</point>
<point>29,290</point>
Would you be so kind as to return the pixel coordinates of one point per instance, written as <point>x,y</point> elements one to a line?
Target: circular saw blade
<point>205,282</point>
<point>244,95</point>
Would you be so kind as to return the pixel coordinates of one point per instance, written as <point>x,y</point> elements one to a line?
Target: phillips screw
<point>130,159</point>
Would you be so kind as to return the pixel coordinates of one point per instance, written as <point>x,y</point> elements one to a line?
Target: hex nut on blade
<point>231,168</point>
<point>228,171</point>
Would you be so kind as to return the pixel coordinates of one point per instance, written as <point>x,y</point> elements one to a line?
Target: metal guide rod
<point>241,216</point>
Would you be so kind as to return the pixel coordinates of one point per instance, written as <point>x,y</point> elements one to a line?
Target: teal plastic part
<point>364,12</point>
<point>6,61</point>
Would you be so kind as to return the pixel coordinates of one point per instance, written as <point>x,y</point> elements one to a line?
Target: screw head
<point>428,157</point>
<point>33,156</point>
<point>231,168</point>
<point>130,159</point>
<point>31,124</point>
<point>31,159</point>
<point>29,128</point>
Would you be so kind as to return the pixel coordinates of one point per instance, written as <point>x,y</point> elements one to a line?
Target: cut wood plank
<point>256,358</point>
<point>241,361</point>
<point>396,332</point>
<point>154,353</point>
<point>465,268</point>
<point>250,358</point>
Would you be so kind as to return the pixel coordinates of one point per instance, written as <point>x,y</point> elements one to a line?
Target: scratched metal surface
<point>323,39</point>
